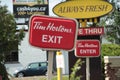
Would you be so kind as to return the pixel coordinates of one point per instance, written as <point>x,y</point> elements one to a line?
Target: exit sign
<point>52,33</point>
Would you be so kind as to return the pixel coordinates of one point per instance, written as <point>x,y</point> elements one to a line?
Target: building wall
<point>28,53</point>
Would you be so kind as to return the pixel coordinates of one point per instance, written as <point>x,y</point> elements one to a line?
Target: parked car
<point>33,69</point>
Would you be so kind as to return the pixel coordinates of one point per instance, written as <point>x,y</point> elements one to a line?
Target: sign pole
<point>50,65</point>
<point>59,70</point>
<point>87,68</point>
<point>84,24</point>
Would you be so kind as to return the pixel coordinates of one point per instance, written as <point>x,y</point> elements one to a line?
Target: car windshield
<point>36,65</point>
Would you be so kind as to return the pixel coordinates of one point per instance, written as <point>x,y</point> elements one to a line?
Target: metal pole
<point>87,68</point>
<point>84,24</point>
<point>50,65</point>
<point>59,70</point>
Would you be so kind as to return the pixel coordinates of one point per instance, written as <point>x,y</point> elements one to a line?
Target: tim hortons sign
<point>87,48</point>
<point>52,33</point>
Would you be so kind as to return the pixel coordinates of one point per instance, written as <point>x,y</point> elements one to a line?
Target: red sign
<point>91,31</point>
<point>87,48</point>
<point>52,33</point>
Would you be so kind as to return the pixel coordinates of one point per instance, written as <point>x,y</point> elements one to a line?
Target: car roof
<point>37,62</point>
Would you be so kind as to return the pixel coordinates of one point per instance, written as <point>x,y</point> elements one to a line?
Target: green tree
<point>9,37</point>
<point>112,24</point>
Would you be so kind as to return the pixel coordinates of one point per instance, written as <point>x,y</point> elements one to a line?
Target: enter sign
<point>87,48</point>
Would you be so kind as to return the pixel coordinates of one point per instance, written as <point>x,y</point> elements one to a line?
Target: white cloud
<point>52,3</point>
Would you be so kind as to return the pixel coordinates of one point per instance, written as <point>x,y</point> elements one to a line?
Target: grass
<point>63,78</point>
<point>40,78</point>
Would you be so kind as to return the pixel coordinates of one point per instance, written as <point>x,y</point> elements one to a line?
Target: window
<point>34,65</point>
<point>37,65</point>
<point>12,57</point>
<point>43,64</point>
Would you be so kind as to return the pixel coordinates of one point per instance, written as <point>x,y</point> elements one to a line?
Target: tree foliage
<point>75,69</point>
<point>9,37</point>
<point>110,50</point>
<point>8,34</point>
<point>112,24</point>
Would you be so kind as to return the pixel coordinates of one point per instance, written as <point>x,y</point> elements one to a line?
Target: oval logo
<point>83,9</point>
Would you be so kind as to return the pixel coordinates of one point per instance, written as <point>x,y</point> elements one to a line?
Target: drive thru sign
<point>87,48</point>
<point>52,33</point>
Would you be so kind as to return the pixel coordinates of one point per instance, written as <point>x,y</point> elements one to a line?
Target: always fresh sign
<point>52,33</point>
<point>83,8</point>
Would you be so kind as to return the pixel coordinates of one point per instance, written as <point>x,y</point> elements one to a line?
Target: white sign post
<point>88,68</point>
<point>50,65</point>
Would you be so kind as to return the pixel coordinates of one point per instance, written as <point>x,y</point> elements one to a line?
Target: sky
<point>52,3</point>
<point>8,3</point>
